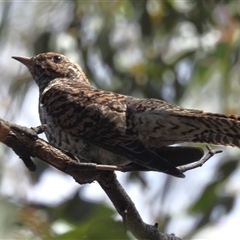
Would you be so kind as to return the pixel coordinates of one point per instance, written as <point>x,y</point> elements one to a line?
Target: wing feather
<point>99,117</point>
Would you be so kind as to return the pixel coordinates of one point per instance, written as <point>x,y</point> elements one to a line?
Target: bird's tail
<point>198,126</point>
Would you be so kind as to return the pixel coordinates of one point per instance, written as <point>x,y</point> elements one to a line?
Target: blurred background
<point>184,52</point>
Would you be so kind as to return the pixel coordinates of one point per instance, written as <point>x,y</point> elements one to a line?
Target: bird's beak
<point>24,60</point>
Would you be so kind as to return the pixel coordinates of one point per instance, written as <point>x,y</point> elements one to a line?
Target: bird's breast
<point>75,145</point>
<point>63,140</point>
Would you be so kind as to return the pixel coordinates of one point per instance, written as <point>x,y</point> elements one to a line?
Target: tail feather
<point>161,128</point>
<point>160,124</point>
<point>211,128</point>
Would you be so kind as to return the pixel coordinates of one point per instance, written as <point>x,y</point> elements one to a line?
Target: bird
<point>105,127</point>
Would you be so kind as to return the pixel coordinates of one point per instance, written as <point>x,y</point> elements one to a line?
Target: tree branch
<point>129,213</point>
<point>26,144</point>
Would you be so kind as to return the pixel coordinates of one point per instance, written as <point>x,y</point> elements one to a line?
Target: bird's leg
<point>199,163</point>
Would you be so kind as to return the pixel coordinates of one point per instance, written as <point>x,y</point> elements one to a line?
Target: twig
<point>199,163</point>
<point>26,144</point>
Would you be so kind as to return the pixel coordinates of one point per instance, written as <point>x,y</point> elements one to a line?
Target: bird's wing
<point>180,155</point>
<point>177,155</point>
<point>99,117</point>
<point>158,123</point>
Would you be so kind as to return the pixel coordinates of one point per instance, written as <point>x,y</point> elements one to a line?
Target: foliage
<point>185,52</point>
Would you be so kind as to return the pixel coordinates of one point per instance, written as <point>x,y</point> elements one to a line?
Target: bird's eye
<point>57,59</point>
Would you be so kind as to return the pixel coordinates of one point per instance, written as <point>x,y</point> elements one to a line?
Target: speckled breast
<point>80,149</point>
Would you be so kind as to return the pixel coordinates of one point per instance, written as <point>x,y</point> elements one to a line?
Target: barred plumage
<point>110,128</point>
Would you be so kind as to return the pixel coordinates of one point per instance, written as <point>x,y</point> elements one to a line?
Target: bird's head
<point>46,67</point>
